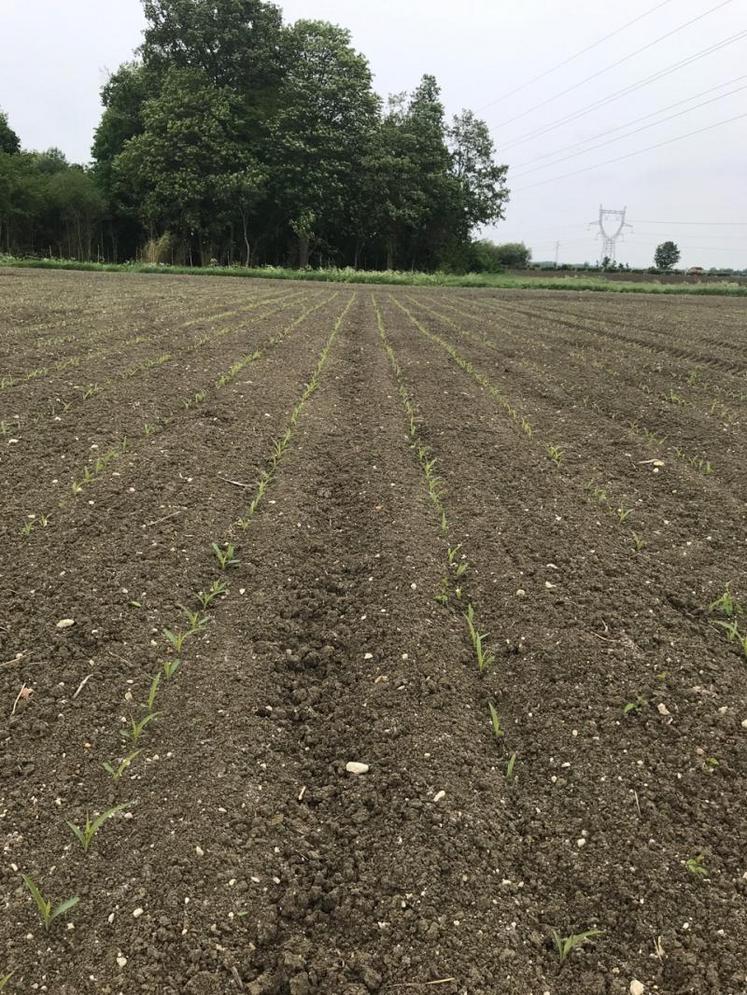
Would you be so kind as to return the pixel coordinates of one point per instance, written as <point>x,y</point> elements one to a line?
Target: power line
<point>571,58</point>
<point>644,127</point>
<point>614,65</point>
<point>660,74</point>
<point>627,124</point>
<point>629,155</point>
<point>639,222</point>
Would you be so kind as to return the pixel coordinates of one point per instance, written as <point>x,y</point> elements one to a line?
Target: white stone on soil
<point>353,767</point>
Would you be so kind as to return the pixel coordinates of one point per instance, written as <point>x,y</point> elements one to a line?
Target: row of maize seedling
<point>84,392</point>
<point>703,466</point>
<point>452,587</point>
<point>93,471</point>
<point>553,452</point>
<point>144,716</point>
<point>283,440</point>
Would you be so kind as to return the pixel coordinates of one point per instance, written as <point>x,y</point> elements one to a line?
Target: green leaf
<point>99,821</point>
<point>80,835</point>
<point>41,903</point>
<point>63,907</point>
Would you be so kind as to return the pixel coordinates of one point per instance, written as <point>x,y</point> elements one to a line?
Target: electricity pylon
<point>609,238</point>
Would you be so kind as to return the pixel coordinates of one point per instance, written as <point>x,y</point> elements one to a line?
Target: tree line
<point>232,137</point>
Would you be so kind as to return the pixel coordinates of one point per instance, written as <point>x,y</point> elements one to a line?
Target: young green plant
<point>565,945</point>
<point>136,729</point>
<point>86,834</point>
<point>47,910</point>
<point>206,598</point>
<point>116,772</point>
<point>485,660</point>
<point>226,556</point>
<point>495,721</point>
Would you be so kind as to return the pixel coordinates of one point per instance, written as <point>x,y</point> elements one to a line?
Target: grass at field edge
<point>481,280</point>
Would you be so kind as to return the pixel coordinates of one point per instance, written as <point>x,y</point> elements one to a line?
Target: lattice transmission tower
<point>609,238</point>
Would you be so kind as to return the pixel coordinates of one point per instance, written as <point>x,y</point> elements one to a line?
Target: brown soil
<point>247,858</point>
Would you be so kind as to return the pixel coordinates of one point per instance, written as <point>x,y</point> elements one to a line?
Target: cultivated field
<point>387,474</point>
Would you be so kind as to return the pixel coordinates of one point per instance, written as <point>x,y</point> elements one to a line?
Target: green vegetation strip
<point>497,281</point>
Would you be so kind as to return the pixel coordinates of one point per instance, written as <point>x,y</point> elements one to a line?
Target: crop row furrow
<point>670,385</point>
<point>60,407</point>
<point>708,364</point>
<point>698,463</point>
<point>75,361</point>
<point>206,592</point>
<point>662,344</point>
<point>93,470</point>
<point>590,492</point>
<point>522,424</point>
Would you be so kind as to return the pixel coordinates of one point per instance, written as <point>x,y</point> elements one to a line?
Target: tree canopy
<point>667,256</point>
<point>9,140</point>
<point>234,137</point>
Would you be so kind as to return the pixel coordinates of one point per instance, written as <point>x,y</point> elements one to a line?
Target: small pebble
<point>199,851</point>
<point>636,988</point>
<point>356,768</point>
<point>121,960</point>
<point>439,795</point>
<point>65,623</point>
<point>137,913</point>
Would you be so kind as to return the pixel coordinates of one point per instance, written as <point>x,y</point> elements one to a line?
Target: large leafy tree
<point>184,167</point>
<point>237,135</point>
<point>415,194</point>
<point>123,97</point>
<point>327,112</point>
<point>482,182</point>
<point>667,256</point>
<point>233,43</point>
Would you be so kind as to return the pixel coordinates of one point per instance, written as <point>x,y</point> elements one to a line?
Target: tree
<point>123,97</point>
<point>487,257</point>
<point>327,112</point>
<point>9,140</point>
<point>482,183</point>
<point>75,196</point>
<point>667,256</point>
<point>414,195</point>
<point>233,43</point>
<point>181,169</point>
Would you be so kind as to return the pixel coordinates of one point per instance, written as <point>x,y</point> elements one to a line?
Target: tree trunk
<point>303,251</point>
<point>390,254</point>
<point>244,224</point>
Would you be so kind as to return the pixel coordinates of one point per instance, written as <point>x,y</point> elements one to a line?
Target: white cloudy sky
<point>55,56</point>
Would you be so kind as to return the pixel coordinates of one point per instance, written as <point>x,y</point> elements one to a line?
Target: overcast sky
<point>56,54</point>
